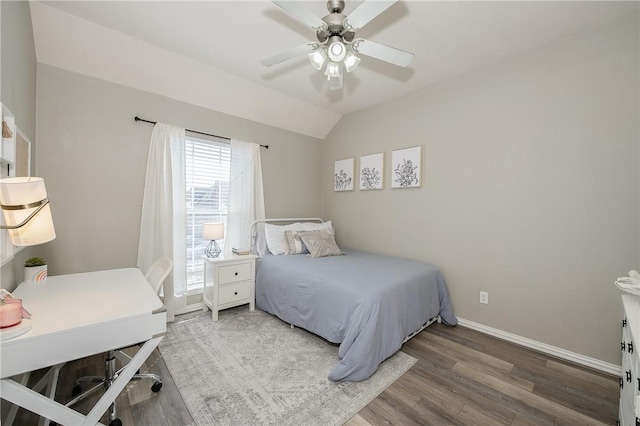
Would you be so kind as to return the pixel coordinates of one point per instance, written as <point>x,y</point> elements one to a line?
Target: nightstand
<point>229,280</point>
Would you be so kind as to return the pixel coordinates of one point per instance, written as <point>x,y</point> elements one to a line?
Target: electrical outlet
<point>484,297</point>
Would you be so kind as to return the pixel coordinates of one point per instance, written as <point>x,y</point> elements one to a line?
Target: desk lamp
<point>213,232</point>
<point>27,214</point>
<point>26,209</point>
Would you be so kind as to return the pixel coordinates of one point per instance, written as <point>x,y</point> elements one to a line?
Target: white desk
<point>75,316</point>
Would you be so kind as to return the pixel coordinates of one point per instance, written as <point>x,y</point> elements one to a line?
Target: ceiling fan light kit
<point>334,51</point>
<point>318,58</point>
<point>336,57</point>
<point>337,49</point>
<point>332,70</point>
<point>351,62</point>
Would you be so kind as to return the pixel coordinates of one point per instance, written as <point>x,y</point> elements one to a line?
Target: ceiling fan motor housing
<point>335,6</point>
<point>334,21</point>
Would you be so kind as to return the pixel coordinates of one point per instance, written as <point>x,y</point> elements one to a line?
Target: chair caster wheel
<point>76,390</point>
<point>156,387</point>
<point>115,422</point>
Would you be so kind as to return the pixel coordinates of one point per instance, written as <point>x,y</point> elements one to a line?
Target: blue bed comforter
<point>367,303</point>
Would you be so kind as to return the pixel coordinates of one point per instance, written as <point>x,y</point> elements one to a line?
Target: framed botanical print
<point>343,175</point>
<point>372,171</point>
<point>406,168</point>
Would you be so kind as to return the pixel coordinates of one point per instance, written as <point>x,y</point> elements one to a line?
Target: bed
<point>369,304</point>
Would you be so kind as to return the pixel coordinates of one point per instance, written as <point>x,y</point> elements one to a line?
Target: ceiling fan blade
<point>384,53</point>
<point>301,13</point>
<point>285,56</point>
<point>364,13</point>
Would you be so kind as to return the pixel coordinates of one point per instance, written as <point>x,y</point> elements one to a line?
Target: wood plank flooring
<point>462,377</point>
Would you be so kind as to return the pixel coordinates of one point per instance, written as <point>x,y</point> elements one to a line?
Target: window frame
<point>194,243</point>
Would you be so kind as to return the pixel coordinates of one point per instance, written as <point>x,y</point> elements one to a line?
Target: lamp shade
<point>337,50</point>
<point>318,58</point>
<point>213,231</point>
<point>351,62</point>
<point>20,198</point>
<point>332,70</point>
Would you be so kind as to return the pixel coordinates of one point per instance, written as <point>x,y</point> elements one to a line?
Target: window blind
<point>207,166</point>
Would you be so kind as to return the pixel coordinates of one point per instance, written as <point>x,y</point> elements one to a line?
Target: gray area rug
<point>250,368</point>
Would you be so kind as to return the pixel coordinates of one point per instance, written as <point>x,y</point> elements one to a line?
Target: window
<point>207,166</point>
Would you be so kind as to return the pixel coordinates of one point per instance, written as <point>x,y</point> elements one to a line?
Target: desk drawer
<point>234,292</point>
<point>234,273</point>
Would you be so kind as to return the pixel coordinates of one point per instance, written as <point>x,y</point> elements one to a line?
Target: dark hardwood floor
<point>462,377</point>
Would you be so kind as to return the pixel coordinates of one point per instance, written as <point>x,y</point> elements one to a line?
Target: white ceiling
<point>227,39</point>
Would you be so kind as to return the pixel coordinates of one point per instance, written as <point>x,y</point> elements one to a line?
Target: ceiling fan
<point>336,48</point>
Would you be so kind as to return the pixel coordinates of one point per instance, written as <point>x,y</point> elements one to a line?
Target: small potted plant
<point>35,270</point>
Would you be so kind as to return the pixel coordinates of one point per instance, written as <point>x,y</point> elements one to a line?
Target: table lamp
<point>26,210</point>
<point>213,232</point>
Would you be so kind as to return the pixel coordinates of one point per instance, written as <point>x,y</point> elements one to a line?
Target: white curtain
<point>162,206</point>
<point>246,197</point>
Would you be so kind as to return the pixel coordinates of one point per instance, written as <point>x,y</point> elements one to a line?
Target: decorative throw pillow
<point>320,243</point>
<point>275,236</point>
<point>293,244</point>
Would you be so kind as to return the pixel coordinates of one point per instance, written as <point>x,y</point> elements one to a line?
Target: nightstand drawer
<point>234,292</point>
<point>233,273</point>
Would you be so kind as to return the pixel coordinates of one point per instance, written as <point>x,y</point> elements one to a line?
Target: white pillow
<point>275,233</point>
<point>309,226</point>
<point>275,236</point>
<point>261,244</point>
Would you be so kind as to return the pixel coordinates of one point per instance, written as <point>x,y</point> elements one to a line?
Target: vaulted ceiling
<point>208,53</point>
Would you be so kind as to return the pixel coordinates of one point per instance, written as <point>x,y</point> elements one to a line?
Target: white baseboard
<point>586,361</point>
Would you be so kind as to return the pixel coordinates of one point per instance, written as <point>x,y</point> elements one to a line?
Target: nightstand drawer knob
<point>234,273</point>
<point>235,294</point>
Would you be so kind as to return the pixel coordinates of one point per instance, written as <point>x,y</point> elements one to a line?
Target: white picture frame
<point>371,172</point>
<point>406,167</point>
<point>343,175</point>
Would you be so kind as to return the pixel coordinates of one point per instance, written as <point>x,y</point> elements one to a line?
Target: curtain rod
<point>136,118</point>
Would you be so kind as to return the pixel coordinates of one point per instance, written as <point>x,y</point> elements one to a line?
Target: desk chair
<point>156,275</point>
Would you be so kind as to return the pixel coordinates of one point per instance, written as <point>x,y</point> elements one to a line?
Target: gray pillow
<point>293,244</point>
<point>320,244</point>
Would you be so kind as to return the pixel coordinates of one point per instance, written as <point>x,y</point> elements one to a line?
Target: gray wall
<point>18,93</point>
<point>531,188</point>
<point>19,65</point>
<point>93,157</point>
<point>18,88</point>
